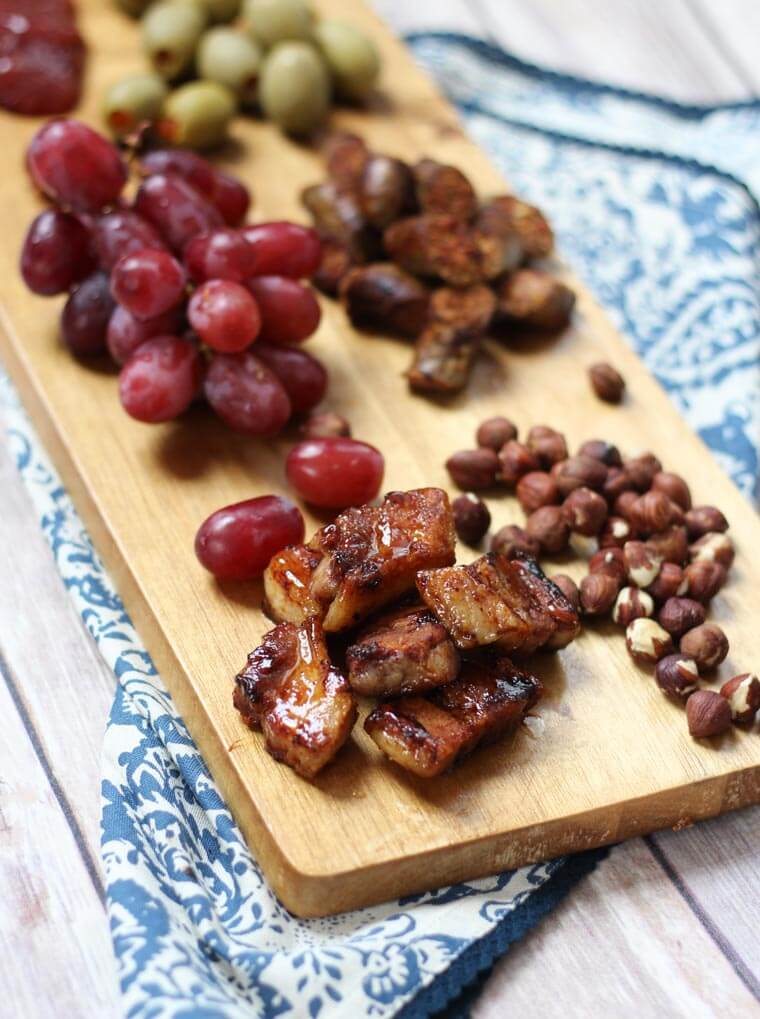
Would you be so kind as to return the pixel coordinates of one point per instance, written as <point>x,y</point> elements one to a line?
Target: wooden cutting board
<point>613,759</point>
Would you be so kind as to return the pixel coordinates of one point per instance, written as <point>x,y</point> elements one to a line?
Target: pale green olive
<point>171,30</point>
<point>294,89</point>
<point>273,21</point>
<point>198,114</point>
<point>351,56</point>
<point>232,59</point>
<point>132,100</point>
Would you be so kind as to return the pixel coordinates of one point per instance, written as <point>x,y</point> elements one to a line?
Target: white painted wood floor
<point>665,926</point>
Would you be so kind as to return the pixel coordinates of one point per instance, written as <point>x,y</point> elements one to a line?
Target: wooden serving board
<point>614,758</point>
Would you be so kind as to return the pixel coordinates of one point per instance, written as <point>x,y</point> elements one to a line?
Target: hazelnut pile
<point>655,562</point>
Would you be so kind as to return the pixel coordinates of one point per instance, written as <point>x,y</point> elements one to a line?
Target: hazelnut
<point>547,444</point>
<point>743,696</point>
<point>647,641</point>
<point>678,615</point>
<point>515,459</point>
<point>653,512</point>
<point>703,519</point>
<point>586,511</point>
<point>672,545</point>
<point>536,489</point>
<point>677,675</point>
<point>325,425</point>
<point>580,472</point>
<point>598,593</point>
<point>607,382</point>
<point>569,588</point>
<point>473,469</point>
<point>600,449</point>
<point>609,561</point>
<point>713,547</point>
<point>510,540</point>
<point>642,565</point>
<point>495,433</point>
<point>583,546</point>
<point>618,481</point>
<point>549,526</point>
<point>642,469</point>
<point>632,604</point>
<point>471,518</point>
<point>708,714</point>
<point>707,644</point>
<point>674,486</point>
<point>704,579</point>
<point>668,583</point>
<point>622,505</point>
<point>615,533</point>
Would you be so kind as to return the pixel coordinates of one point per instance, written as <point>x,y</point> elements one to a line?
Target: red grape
<point>289,310</point>
<point>177,209</point>
<point>246,394</point>
<point>126,333</point>
<point>161,379</point>
<point>222,254</point>
<point>85,316</point>
<point>148,282</point>
<point>56,253</point>
<point>121,232</point>
<point>75,166</point>
<point>303,376</point>
<point>224,315</point>
<point>194,168</point>
<point>335,472</point>
<point>237,542</point>
<point>284,249</point>
<point>230,197</point>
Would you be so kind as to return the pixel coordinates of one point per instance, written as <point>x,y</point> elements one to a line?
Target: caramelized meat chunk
<point>533,298</point>
<point>336,263</point>
<point>382,296</point>
<point>444,189</point>
<point>403,652</point>
<point>426,735</point>
<point>386,191</point>
<point>290,690</point>
<point>346,156</point>
<point>336,214</point>
<point>287,585</point>
<point>509,603</point>
<point>507,214</point>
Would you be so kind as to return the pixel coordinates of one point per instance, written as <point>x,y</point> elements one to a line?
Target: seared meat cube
<point>507,214</point>
<point>291,691</point>
<point>445,351</point>
<point>499,601</point>
<point>336,263</point>
<point>336,214</point>
<point>382,296</point>
<point>403,652</point>
<point>346,155</point>
<point>534,299</point>
<point>426,735</point>
<point>444,189</point>
<point>386,191</point>
<point>287,585</point>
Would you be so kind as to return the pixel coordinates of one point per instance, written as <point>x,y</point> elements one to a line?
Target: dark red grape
<point>303,376</point>
<point>230,197</point>
<point>246,394</point>
<point>289,310</point>
<point>56,253</point>
<point>335,472</point>
<point>194,168</point>
<point>222,255</point>
<point>237,542</point>
<point>121,232</point>
<point>177,209</point>
<point>86,314</point>
<point>148,282</point>
<point>161,379</point>
<point>75,166</point>
<point>284,249</point>
<point>224,315</point>
<point>126,333</point>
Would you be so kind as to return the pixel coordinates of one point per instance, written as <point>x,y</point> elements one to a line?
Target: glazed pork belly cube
<point>290,690</point>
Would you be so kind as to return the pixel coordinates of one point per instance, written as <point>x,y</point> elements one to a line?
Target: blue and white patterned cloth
<point>655,206</point>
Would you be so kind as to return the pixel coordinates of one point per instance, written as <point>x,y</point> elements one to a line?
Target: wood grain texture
<point>633,767</point>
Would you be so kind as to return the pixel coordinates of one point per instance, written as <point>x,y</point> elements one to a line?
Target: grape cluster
<point>186,298</point>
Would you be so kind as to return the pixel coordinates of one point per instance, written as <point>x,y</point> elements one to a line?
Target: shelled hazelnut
<point>653,512</point>
<point>704,579</point>
<point>586,511</point>
<point>674,487</point>
<point>617,482</point>
<point>632,604</point>
<point>473,469</point>
<point>671,544</point>
<point>569,588</point>
<point>708,714</point>
<point>600,449</point>
<point>677,675</point>
<point>642,565</point>
<point>324,425</point>
<point>471,518</point>
<point>678,615</point>
<point>536,489</point>
<point>615,533</point>
<point>609,561</point>
<point>743,696</point>
<point>646,641</point>
<point>510,540</point>
<point>547,444</point>
<point>607,382</point>
<point>642,470</point>
<point>707,644</point>
<point>598,592</point>
<point>549,527</point>
<point>515,460</point>
<point>703,519</point>
<point>713,547</point>
<point>669,583</point>
<point>495,433</point>
<point>579,472</point>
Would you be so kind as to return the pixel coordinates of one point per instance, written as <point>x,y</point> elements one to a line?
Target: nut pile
<point>656,561</point>
<point>412,251</point>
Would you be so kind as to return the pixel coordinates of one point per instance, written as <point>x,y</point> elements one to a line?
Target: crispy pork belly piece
<point>382,296</point>
<point>495,600</point>
<point>291,691</point>
<point>403,652</point>
<point>506,214</point>
<point>444,189</point>
<point>534,299</point>
<point>287,585</point>
<point>426,735</point>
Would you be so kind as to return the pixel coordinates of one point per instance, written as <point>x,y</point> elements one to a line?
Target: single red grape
<point>85,316</point>
<point>148,282</point>
<point>246,394</point>
<point>303,376</point>
<point>75,166</point>
<point>284,249</point>
<point>122,232</point>
<point>126,333</point>
<point>222,255</point>
<point>224,315</point>
<point>237,542</point>
<point>230,197</point>
<point>289,310</point>
<point>184,163</point>
<point>335,472</point>
<point>177,209</point>
<point>161,379</point>
<point>56,253</point>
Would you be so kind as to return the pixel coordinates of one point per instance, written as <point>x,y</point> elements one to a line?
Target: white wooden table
<point>665,926</point>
